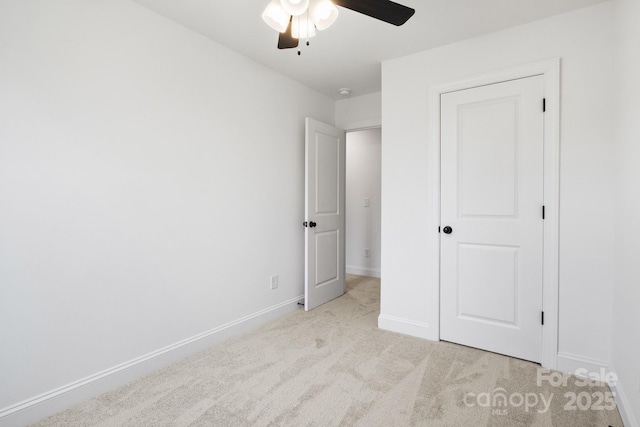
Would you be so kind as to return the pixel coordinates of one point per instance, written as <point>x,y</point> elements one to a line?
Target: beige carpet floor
<point>333,367</point>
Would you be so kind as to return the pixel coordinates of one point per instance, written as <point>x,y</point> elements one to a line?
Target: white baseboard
<point>406,326</point>
<point>571,363</point>
<point>48,403</point>
<point>628,418</point>
<point>362,271</point>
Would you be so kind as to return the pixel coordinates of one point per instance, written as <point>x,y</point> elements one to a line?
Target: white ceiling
<point>349,53</point>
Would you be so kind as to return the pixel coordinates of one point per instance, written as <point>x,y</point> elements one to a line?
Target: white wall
<point>363,181</point>
<point>583,40</point>
<point>359,112</point>
<point>150,182</point>
<point>626,317</point>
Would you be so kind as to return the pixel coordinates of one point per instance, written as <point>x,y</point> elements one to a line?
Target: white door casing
<point>325,152</point>
<point>492,182</point>
<point>550,70</point>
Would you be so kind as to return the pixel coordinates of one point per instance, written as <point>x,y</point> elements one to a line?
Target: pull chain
<point>308,44</point>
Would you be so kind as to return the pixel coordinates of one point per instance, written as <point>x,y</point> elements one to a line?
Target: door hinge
<point>544,104</point>
<point>543,212</point>
<point>542,318</point>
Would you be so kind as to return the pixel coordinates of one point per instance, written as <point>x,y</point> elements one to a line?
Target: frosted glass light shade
<point>323,13</point>
<point>295,7</point>
<point>302,27</point>
<point>276,17</point>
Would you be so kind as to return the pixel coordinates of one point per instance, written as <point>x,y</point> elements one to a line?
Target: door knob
<point>447,230</point>
<point>312,224</point>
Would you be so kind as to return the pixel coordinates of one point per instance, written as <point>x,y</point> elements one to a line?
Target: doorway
<point>340,183</point>
<point>363,197</point>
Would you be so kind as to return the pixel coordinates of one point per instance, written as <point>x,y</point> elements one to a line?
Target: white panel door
<point>325,152</point>
<point>491,217</point>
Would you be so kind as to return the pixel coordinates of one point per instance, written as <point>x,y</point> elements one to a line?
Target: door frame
<point>550,70</point>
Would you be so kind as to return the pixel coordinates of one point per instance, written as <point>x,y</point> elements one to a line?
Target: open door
<point>324,213</point>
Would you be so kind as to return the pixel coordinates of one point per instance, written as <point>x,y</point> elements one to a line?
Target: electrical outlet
<point>367,252</point>
<point>274,282</point>
<point>367,202</point>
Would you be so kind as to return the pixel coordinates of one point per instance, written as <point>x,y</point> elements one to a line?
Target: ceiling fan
<point>296,19</point>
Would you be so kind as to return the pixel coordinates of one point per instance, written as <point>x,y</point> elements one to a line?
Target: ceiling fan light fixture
<point>306,16</point>
<point>302,27</point>
<point>276,17</point>
<point>323,13</point>
<point>295,7</point>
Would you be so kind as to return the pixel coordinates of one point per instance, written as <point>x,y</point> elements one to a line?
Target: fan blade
<point>286,40</point>
<point>384,10</point>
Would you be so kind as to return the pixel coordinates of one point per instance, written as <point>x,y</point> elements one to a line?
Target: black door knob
<point>447,230</point>
<point>312,224</point>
